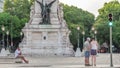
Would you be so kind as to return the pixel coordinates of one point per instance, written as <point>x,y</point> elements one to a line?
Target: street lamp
<point>93,31</point>
<point>21,35</point>
<point>3,52</point>
<point>95,35</point>
<point>78,52</point>
<point>78,28</point>
<point>7,38</point>
<point>83,36</point>
<point>11,35</point>
<point>3,29</point>
<point>93,28</point>
<point>83,33</point>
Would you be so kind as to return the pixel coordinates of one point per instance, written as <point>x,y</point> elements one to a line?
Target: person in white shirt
<point>18,54</point>
<point>94,47</point>
<point>86,48</point>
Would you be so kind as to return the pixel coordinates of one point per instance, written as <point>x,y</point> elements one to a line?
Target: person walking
<point>94,47</point>
<point>86,48</point>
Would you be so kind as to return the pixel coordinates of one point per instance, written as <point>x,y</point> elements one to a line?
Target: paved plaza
<point>103,61</point>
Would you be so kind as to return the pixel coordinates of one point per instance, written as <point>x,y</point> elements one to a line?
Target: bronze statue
<point>45,13</point>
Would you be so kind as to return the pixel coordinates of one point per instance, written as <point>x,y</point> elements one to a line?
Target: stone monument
<point>46,33</point>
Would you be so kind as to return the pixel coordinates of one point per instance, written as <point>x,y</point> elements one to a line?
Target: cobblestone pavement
<point>103,61</point>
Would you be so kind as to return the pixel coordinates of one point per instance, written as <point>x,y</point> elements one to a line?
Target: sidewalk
<point>103,61</point>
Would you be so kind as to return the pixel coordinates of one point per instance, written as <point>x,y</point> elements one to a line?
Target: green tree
<point>11,24</point>
<point>77,17</point>
<point>20,11</point>
<point>19,8</point>
<point>6,19</point>
<point>101,23</point>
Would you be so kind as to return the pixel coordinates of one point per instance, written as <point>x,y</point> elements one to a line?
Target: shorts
<point>93,52</point>
<point>87,54</point>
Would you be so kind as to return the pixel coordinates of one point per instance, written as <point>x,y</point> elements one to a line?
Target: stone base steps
<point>9,59</point>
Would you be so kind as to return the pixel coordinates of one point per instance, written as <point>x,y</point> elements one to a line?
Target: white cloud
<point>88,5</point>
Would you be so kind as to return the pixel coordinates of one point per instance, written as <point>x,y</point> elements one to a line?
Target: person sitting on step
<point>18,54</point>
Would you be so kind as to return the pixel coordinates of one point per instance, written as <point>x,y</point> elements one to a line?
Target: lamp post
<point>78,28</point>
<point>7,48</point>
<point>3,52</point>
<point>78,51</point>
<point>21,35</point>
<point>11,36</point>
<point>7,38</point>
<point>83,36</point>
<point>95,34</point>
<point>3,29</point>
<point>83,42</point>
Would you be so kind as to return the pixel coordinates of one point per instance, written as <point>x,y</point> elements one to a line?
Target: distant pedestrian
<point>18,54</point>
<point>105,46</point>
<point>94,47</point>
<point>86,48</point>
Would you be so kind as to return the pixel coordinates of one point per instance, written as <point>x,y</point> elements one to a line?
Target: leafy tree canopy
<point>11,24</point>
<point>101,23</point>
<point>19,8</point>
<point>77,17</point>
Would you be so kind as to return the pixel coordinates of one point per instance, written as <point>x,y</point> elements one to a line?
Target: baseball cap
<point>88,38</point>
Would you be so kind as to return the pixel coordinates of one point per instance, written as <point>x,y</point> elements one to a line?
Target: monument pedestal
<point>46,39</point>
<point>4,52</point>
<point>78,53</point>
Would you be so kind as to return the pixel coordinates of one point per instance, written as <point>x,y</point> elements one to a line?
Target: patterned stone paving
<point>103,61</point>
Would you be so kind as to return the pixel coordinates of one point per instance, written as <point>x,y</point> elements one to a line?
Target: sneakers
<point>94,65</point>
<point>90,65</point>
<point>87,65</point>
